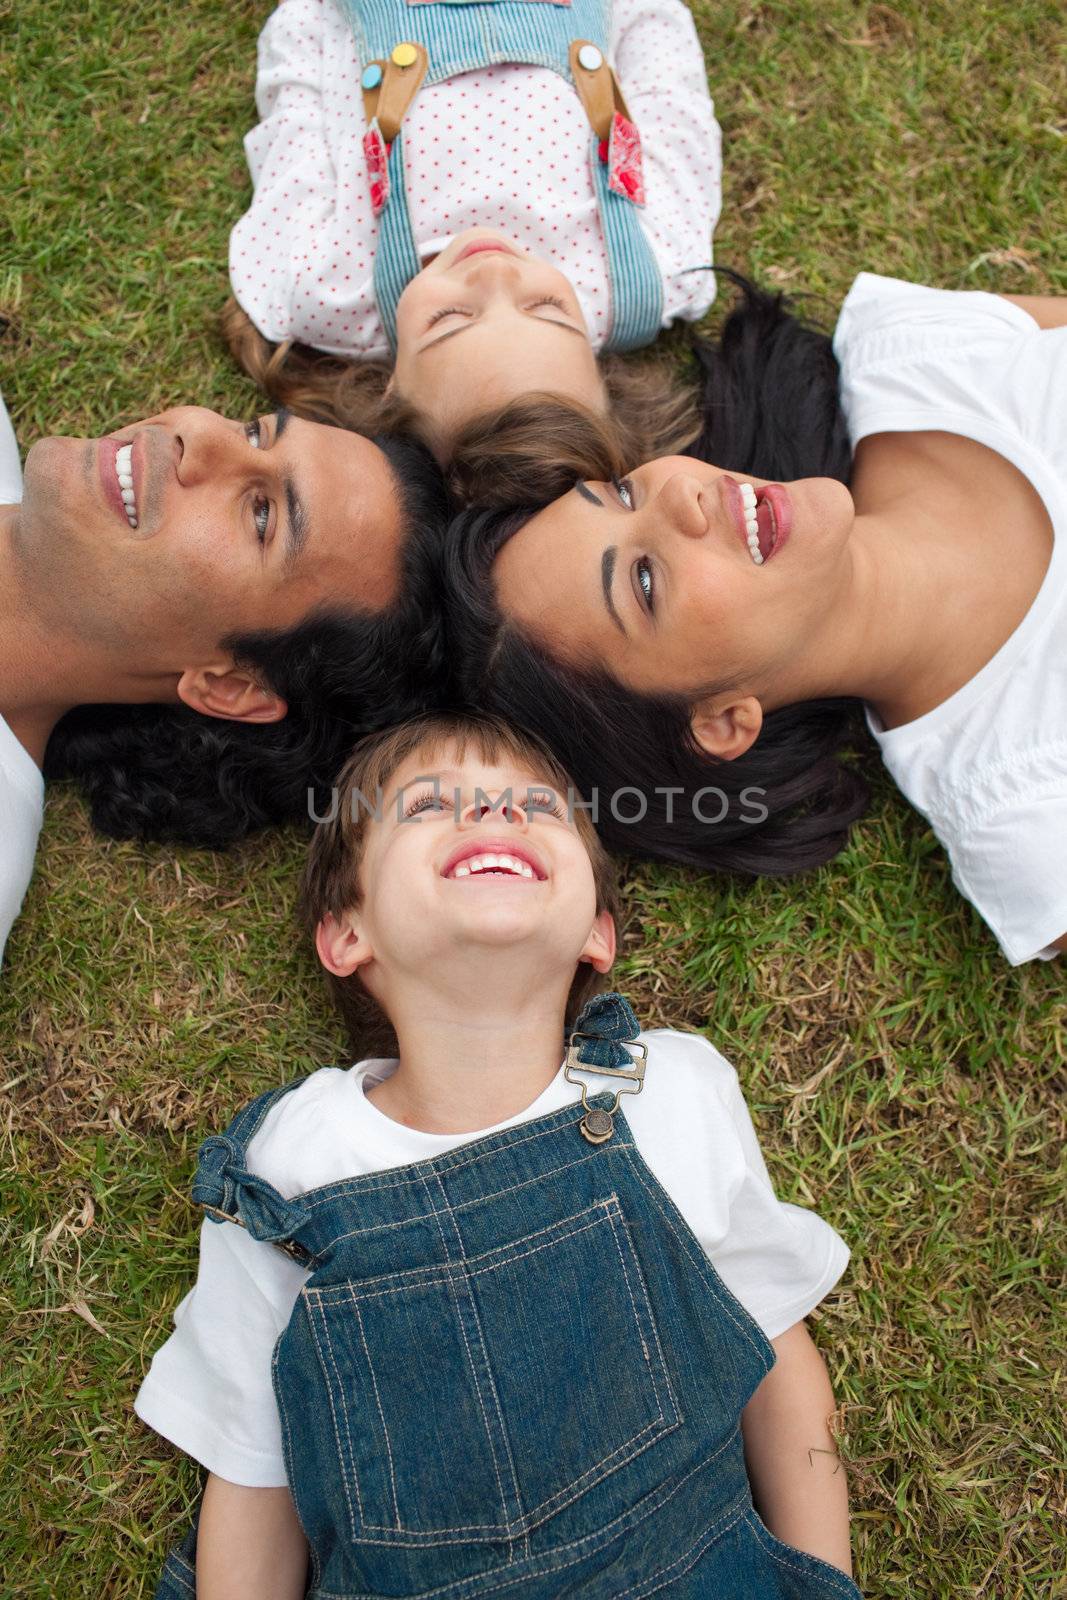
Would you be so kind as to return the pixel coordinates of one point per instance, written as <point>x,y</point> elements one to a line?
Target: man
<point>227,604</point>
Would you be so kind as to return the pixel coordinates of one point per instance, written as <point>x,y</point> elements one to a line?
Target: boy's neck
<point>466,1064</point>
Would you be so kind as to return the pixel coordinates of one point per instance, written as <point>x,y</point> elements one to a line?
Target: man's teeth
<point>748,500</point>
<point>124,473</point>
<point>492,863</point>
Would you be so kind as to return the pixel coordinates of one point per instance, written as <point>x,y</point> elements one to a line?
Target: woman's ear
<point>341,944</point>
<point>599,948</point>
<point>230,693</point>
<point>727,725</point>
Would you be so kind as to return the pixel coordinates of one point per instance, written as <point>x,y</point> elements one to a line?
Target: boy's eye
<point>543,800</point>
<point>430,800</point>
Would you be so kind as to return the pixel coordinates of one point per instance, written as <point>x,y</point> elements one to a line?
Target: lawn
<point>903,1078</point>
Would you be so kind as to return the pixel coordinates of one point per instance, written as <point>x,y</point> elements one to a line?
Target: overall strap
<point>228,1192</point>
<point>636,281</point>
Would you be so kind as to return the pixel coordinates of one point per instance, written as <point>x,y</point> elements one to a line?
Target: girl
<point>690,626</point>
<point>463,1325</point>
<point>459,206</point>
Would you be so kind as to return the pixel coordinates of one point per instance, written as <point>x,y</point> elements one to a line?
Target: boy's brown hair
<point>330,883</point>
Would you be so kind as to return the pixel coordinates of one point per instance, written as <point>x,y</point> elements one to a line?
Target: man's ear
<point>726,725</point>
<point>341,945</point>
<point>600,946</point>
<point>230,693</point>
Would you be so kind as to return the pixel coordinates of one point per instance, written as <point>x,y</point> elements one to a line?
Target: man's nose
<point>207,443</point>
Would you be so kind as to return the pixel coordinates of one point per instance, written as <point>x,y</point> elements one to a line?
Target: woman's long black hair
<point>770,407</point>
<point>167,773</point>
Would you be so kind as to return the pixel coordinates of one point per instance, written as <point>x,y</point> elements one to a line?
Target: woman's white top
<point>209,1388</point>
<point>988,766</point>
<point>505,147</point>
<point>21,783</point>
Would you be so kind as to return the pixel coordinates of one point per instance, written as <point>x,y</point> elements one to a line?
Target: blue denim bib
<point>462,38</point>
<point>512,1373</point>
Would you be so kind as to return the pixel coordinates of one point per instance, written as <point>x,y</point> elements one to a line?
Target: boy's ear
<point>341,945</point>
<point>230,693</point>
<point>600,946</point>
<point>726,725</point>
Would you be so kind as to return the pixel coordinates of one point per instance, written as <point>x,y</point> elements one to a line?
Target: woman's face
<point>683,576</point>
<point>484,324</point>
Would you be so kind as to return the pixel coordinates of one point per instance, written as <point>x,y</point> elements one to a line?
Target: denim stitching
<point>489,1373</point>
<point>689,1557</point>
<point>470,1358</point>
<point>316,1565</point>
<point>378,1403</point>
<point>355,1520</point>
<point>785,1557</point>
<point>651,1322</point>
<point>726,1299</point>
<point>458,1589</point>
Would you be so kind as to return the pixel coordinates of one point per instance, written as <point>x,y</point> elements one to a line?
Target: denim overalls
<point>462,36</point>
<point>513,1373</point>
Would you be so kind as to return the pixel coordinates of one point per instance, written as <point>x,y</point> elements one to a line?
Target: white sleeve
<point>662,74</point>
<point>10,467</point>
<point>1013,868</point>
<point>301,257</point>
<point>209,1388</point>
<point>695,1133</point>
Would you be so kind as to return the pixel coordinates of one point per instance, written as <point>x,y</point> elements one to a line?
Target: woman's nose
<point>678,506</point>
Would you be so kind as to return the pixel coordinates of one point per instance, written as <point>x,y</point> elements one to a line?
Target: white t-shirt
<point>209,1388</point>
<point>21,784</point>
<point>987,767</point>
<point>505,147</point>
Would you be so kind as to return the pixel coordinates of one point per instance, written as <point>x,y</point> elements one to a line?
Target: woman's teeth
<point>748,501</point>
<point>124,473</point>
<point>493,863</point>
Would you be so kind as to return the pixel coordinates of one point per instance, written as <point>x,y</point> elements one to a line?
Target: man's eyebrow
<point>451,334</point>
<point>297,531</point>
<point>607,572</point>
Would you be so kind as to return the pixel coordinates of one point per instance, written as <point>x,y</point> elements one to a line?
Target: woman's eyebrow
<point>282,418</point>
<point>587,494</point>
<point>607,573</point>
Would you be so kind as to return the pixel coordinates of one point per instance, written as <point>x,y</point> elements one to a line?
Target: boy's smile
<point>479,859</point>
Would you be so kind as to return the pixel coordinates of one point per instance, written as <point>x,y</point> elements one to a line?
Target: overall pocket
<point>474,1401</point>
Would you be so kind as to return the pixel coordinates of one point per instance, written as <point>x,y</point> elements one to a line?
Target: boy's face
<point>470,858</point>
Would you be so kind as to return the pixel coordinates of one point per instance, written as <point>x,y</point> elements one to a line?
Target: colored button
<point>590,57</point>
<point>372,76</point>
<point>405,55</point>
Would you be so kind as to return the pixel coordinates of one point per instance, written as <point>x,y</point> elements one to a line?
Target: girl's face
<point>484,324</point>
<point>655,579</point>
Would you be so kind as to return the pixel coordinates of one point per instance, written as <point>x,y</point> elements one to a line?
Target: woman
<point>701,628</point>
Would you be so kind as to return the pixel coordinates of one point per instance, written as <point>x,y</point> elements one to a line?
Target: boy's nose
<point>502,807</point>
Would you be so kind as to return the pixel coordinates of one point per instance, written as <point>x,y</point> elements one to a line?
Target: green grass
<point>903,1078</point>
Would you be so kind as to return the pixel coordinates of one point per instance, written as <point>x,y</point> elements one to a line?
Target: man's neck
<point>473,1055</point>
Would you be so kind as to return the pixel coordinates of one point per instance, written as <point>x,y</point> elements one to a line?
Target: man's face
<point>226,528</point>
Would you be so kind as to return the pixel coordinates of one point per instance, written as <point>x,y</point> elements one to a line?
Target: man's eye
<point>261,516</point>
<point>625,491</point>
<point>254,434</point>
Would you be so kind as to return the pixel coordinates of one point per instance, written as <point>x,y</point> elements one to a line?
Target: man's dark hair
<point>770,407</point>
<point>168,773</point>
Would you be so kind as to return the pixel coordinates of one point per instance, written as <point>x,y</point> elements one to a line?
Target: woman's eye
<point>643,574</point>
<point>261,516</point>
<point>254,434</point>
<point>544,801</point>
<point>625,491</point>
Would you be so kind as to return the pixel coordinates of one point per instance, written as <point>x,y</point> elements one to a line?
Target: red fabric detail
<point>376,152</point>
<point>602,150</point>
<point>625,171</point>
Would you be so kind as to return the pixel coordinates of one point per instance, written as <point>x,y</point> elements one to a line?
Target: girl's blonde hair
<point>529,451</point>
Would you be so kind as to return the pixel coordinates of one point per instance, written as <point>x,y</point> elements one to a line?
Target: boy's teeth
<point>493,863</point>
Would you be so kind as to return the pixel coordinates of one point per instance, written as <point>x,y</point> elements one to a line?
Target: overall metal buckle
<point>598,1124</point>
<point>288,1247</point>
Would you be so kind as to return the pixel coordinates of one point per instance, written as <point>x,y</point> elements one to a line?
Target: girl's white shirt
<point>504,147</point>
<point>988,766</point>
<point>209,1388</point>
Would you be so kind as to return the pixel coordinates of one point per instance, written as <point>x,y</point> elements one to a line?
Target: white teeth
<point>124,473</point>
<point>493,863</point>
<point>462,871</point>
<point>748,495</point>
